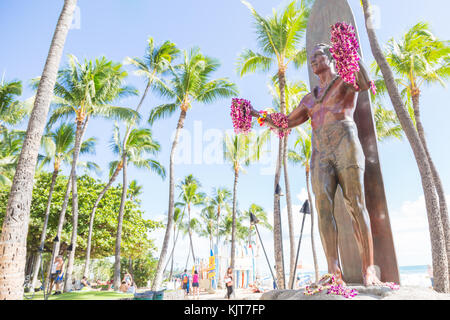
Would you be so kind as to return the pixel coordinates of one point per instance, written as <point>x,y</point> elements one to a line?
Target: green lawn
<point>85,295</point>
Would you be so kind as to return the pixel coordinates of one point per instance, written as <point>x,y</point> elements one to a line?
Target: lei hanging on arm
<point>345,52</point>
<point>241,115</point>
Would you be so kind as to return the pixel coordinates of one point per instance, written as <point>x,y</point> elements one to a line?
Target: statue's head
<point>321,58</point>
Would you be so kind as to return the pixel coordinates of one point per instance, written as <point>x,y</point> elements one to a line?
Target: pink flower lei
<point>333,288</point>
<point>280,120</point>
<point>345,52</point>
<point>241,115</point>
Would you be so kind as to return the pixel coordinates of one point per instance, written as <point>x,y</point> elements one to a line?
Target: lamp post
<point>253,222</point>
<point>305,210</point>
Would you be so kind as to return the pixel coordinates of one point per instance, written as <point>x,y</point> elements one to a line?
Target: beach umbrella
<point>305,209</point>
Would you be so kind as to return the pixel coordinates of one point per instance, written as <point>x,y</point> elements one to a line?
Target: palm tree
<point>190,82</point>
<point>239,151</point>
<point>135,189</point>
<point>15,224</point>
<point>438,244</point>
<point>139,144</point>
<point>84,91</point>
<point>303,157</point>
<point>220,199</point>
<point>59,148</point>
<point>208,219</point>
<point>190,195</point>
<point>260,214</point>
<point>279,38</point>
<point>178,216</point>
<point>420,58</point>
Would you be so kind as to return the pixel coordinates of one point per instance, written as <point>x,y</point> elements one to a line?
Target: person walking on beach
<point>195,285</point>
<point>229,282</point>
<point>56,275</point>
<point>185,282</point>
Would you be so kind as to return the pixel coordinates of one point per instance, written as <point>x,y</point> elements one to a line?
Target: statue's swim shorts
<point>337,146</point>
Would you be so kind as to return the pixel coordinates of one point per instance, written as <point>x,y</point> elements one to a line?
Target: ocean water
<point>415,276</point>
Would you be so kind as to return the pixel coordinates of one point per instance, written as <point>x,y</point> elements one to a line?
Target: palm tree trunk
<point>233,225</point>
<point>187,260</point>
<point>159,274</point>
<point>37,262</point>
<point>81,128</point>
<point>289,213</point>
<point>316,265</point>
<point>278,241</point>
<point>15,225</point>
<point>57,243</point>
<point>438,245</point>
<point>92,217</point>
<point>277,231</point>
<point>190,232</point>
<point>171,254</point>
<point>120,223</point>
<point>436,177</point>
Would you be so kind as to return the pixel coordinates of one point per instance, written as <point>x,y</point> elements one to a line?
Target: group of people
<point>192,281</point>
<point>189,281</point>
<point>56,280</point>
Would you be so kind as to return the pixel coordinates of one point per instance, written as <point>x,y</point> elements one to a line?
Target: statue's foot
<point>370,277</point>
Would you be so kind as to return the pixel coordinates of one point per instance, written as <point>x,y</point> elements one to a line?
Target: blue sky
<point>222,29</point>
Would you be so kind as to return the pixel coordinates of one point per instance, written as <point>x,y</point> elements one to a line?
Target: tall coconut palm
<point>208,219</point>
<point>420,58</point>
<point>191,196</point>
<point>240,151</point>
<point>59,148</point>
<point>303,157</point>
<point>279,38</point>
<point>220,199</point>
<point>178,216</point>
<point>86,90</point>
<point>438,243</point>
<point>190,82</point>
<point>15,224</point>
<point>139,145</point>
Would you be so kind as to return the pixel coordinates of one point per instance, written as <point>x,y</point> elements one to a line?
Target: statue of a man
<point>337,158</point>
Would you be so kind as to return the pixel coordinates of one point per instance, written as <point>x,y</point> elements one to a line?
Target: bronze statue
<point>337,158</point>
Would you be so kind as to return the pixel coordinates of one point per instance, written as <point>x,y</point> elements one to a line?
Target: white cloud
<point>411,232</point>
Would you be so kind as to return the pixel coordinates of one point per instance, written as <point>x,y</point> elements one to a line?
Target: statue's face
<point>319,61</point>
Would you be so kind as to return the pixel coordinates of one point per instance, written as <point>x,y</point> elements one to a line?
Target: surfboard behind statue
<point>325,13</point>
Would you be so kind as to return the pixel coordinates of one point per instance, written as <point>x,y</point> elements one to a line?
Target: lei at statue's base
<point>363,293</point>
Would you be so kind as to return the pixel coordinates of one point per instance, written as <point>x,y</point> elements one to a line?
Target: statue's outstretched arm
<point>295,118</point>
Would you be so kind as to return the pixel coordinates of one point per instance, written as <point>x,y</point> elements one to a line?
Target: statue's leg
<point>351,180</point>
<point>324,183</point>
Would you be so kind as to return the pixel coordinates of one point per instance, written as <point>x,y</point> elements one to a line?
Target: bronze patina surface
<point>325,13</point>
<point>345,172</point>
